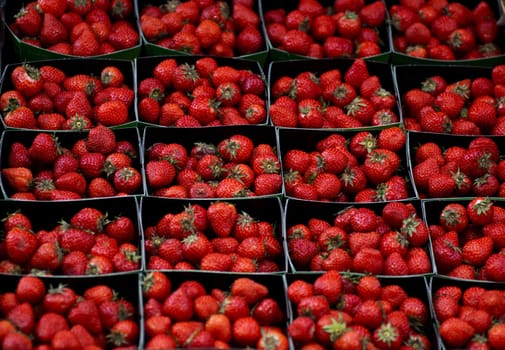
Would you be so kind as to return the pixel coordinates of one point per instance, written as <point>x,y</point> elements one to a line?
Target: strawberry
<point>18,178</point>
<point>22,316</point>
<point>20,244</point>
<point>52,31</point>
<point>28,20</point>
<point>127,180</point>
<point>123,35</point>
<point>101,139</point>
<point>127,258</point>
<point>248,289</point>
<point>112,113</point>
<point>373,14</point>
<point>85,313</point>
<point>159,173</point>
<point>495,335</point>
<point>348,24</point>
<point>453,338</point>
<point>477,251</point>
<point>480,211</point>
<point>357,73</point>
<point>26,79</point>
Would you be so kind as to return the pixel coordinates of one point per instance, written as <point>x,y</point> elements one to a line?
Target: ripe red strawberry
<point>26,79</point>
<point>101,139</point>
<point>159,173</point>
<point>28,20</point>
<point>127,180</point>
<point>480,211</point>
<point>357,73</point>
<point>127,258</point>
<point>18,178</point>
<point>85,313</point>
<point>477,251</point>
<point>112,113</point>
<point>20,244</point>
<point>456,338</point>
<point>44,149</point>
<point>373,14</point>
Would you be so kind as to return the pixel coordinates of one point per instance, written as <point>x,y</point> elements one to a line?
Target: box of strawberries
<point>43,165</point>
<point>96,312</point>
<point>209,310</point>
<point>229,235</point>
<point>456,32</point>
<point>83,238</point>
<point>71,94</point>
<point>56,29</point>
<point>464,313</point>
<point>322,28</point>
<point>218,28</point>
<point>333,310</point>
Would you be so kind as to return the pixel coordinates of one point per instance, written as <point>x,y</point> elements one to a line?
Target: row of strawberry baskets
<point>384,31</point>
<point>197,91</point>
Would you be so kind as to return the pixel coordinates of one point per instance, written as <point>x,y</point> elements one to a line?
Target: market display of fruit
<point>76,28</point>
<point>200,91</point>
<point>318,29</point>
<point>217,28</point>
<point>61,95</point>
<point>196,311</point>
<point>332,94</point>
<point>243,174</point>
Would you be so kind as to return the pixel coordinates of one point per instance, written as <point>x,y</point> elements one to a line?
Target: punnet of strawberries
<point>100,162</point>
<point>335,311</point>
<point>75,28</point>
<point>228,162</point>
<point>453,100</point>
<point>347,166</point>
<point>94,313</point>
<point>445,30</point>
<point>203,27</point>
<point>214,311</point>
<point>381,239</point>
<point>318,29</point>
<point>332,93</point>
<point>467,238</point>
<point>200,91</point>
<point>67,94</point>
<point>461,166</point>
<point>469,315</point>
<point>225,235</point>
<point>92,238</point>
